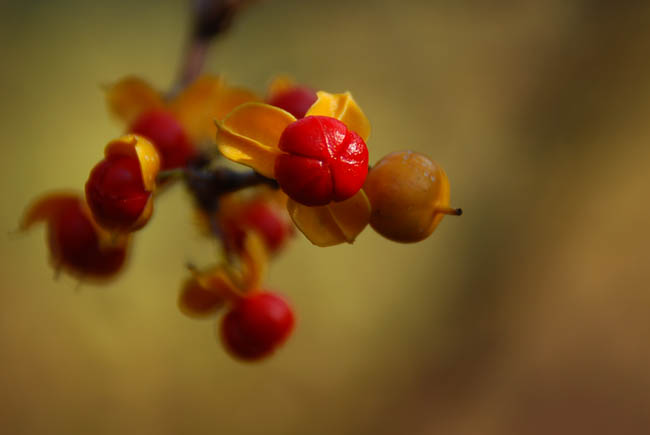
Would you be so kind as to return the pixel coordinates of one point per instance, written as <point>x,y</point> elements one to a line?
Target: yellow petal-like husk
<point>260,122</point>
<point>196,301</point>
<point>137,146</point>
<point>205,100</point>
<point>219,280</point>
<point>316,223</point>
<point>231,98</point>
<point>46,207</point>
<point>255,261</point>
<point>332,224</point>
<point>250,134</point>
<point>279,197</point>
<point>130,97</point>
<point>246,151</point>
<point>351,215</point>
<point>144,216</point>
<point>344,108</point>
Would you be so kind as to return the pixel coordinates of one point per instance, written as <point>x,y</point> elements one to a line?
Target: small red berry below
<point>256,325</point>
<point>256,322</point>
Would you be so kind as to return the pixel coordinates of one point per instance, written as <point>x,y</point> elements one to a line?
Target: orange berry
<point>409,195</point>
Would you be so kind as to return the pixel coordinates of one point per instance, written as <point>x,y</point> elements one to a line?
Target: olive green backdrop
<point>527,315</point>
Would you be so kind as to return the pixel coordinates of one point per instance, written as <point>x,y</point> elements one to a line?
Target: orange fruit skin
<point>405,190</point>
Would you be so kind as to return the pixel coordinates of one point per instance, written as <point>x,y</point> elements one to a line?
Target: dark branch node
<point>213,17</point>
<point>207,184</point>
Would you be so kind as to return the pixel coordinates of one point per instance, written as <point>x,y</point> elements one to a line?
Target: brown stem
<point>449,210</point>
<point>210,18</point>
<point>207,184</point>
<point>191,66</point>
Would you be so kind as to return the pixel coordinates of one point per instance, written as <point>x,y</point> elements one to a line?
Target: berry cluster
<point>310,168</point>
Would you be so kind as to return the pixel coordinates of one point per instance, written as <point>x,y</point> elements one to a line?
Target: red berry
<point>269,220</point>
<point>325,161</point>
<point>115,192</point>
<point>296,100</point>
<point>257,325</point>
<point>76,245</point>
<point>167,135</point>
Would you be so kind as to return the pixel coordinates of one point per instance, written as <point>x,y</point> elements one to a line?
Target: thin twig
<point>210,18</point>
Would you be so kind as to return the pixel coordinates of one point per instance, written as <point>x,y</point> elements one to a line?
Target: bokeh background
<point>530,314</point>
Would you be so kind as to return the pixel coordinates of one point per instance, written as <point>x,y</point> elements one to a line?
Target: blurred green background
<point>528,315</point>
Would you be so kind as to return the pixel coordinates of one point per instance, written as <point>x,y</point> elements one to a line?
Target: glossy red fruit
<point>167,135</point>
<point>257,325</point>
<point>115,192</point>
<point>324,161</point>
<point>76,245</point>
<point>268,219</point>
<point>296,100</point>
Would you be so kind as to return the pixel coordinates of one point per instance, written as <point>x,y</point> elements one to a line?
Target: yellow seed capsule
<point>409,195</point>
